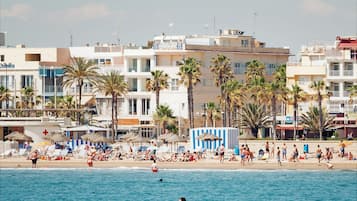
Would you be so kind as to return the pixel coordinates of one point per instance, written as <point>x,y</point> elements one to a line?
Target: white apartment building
<point>336,65</point>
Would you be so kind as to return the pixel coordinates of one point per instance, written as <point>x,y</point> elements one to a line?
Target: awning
<point>288,127</point>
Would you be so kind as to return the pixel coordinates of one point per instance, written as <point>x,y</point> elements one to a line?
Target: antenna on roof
<point>254,22</point>
<point>70,40</point>
<point>214,24</point>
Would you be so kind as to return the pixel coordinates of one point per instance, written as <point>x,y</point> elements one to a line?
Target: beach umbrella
<point>17,136</point>
<point>246,136</point>
<point>57,137</point>
<point>208,137</point>
<point>138,139</point>
<point>127,136</point>
<point>94,137</point>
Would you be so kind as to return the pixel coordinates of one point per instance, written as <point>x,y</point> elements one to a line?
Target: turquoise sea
<point>142,184</point>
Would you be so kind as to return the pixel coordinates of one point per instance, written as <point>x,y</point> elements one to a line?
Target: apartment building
<point>239,48</point>
<point>336,65</point>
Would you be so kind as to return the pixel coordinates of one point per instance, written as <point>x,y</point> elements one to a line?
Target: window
<point>239,68</point>
<point>26,81</point>
<point>145,106</point>
<point>354,54</point>
<point>132,106</point>
<point>270,69</point>
<point>348,69</point>
<point>244,43</point>
<point>2,57</point>
<point>174,84</point>
<point>134,66</point>
<point>303,80</point>
<point>7,83</point>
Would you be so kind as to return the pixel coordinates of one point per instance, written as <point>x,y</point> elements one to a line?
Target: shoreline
<point>204,164</point>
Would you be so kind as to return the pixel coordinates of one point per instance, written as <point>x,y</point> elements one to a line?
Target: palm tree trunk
<point>157,97</point>
<point>320,114</point>
<point>113,118</point>
<point>79,104</point>
<point>273,101</point>
<point>228,109</point>
<point>190,102</point>
<point>295,120</point>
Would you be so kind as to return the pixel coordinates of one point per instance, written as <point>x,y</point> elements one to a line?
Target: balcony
<point>335,93</point>
<point>334,73</point>
<point>346,94</point>
<point>348,73</point>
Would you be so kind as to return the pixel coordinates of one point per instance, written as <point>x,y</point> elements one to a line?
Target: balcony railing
<point>348,72</point>
<point>334,72</point>
<point>335,93</point>
<point>346,94</point>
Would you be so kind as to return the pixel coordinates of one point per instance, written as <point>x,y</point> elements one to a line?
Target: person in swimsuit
<point>278,156</point>
<point>221,153</point>
<point>34,157</point>
<point>318,153</point>
<point>283,149</point>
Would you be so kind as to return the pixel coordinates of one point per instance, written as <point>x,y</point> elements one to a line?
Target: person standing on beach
<point>342,148</point>
<point>283,149</point>
<point>272,151</point>
<point>318,153</point>
<point>34,157</point>
<point>267,150</point>
<point>278,156</point>
<point>221,153</point>
<point>154,167</point>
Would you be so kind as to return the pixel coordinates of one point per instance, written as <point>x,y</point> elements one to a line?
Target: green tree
<point>157,83</point>
<point>4,96</point>
<point>163,115</point>
<point>319,87</point>
<point>353,92</point>
<point>190,75</point>
<point>311,120</point>
<point>80,71</point>
<point>113,84</point>
<point>296,95</point>
<point>255,81</point>
<point>66,103</point>
<point>221,68</point>
<point>233,90</point>
<point>254,117</point>
<point>213,113</point>
<point>277,92</point>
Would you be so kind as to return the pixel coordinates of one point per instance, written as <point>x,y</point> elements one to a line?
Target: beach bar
<point>222,135</point>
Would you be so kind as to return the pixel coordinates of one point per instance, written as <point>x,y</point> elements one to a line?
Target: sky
<point>279,23</point>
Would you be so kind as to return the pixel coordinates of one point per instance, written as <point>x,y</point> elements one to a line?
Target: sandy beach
<point>208,163</point>
<point>310,164</point>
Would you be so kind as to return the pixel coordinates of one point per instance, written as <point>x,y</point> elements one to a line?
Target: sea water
<point>142,184</point>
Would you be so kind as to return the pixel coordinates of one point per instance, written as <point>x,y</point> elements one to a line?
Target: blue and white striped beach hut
<point>228,136</point>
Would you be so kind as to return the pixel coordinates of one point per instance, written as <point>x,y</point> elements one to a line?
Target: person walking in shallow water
<point>318,153</point>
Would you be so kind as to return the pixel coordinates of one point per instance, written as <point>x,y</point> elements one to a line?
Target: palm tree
<point>221,67</point>
<point>255,81</point>
<point>157,83</point>
<point>311,119</point>
<point>254,117</point>
<point>113,84</point>
<point>278,92</point>
<point>297,94</point>
<point>213,113</point>
<point>233,91</point>
<point>80,71</point>
<point>190,73</point>
<point>4,96</point>
<point>255,69</point>
<point>67,103</point>
<point>319,86</point>
<point>163,115</point>
<point>353,92</point>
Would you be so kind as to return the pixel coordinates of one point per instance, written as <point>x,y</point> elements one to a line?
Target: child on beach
<point>154,167</point>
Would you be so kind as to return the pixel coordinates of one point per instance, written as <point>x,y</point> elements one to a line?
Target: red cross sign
<point>45,132</point>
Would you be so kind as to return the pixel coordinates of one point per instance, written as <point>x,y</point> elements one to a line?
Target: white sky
<point>279,23</point>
